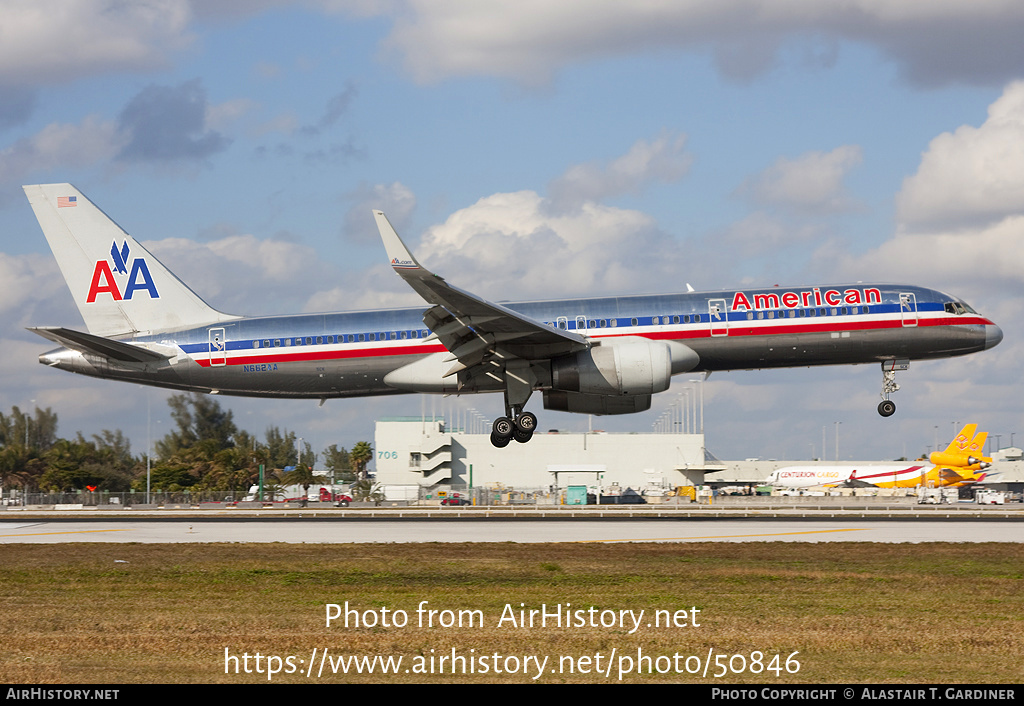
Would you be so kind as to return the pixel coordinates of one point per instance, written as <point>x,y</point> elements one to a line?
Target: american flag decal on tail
<point>67,201</point>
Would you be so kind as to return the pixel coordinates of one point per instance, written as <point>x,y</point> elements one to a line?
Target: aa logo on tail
<point>103,281</point>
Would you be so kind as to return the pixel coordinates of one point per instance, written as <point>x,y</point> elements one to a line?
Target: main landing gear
<point>516,424</point>
<point>520,428</point>
<point>889,367</point>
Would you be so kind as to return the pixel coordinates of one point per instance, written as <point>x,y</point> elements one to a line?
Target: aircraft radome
<point>605,355</point>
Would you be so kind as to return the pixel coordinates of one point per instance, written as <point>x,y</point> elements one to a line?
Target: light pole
<point>700,392</point>
<point>28,420</point>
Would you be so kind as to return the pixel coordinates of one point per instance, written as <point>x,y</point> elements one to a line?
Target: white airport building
<point>426,452</point>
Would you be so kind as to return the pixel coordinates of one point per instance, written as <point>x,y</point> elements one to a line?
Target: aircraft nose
<point>993,335</point>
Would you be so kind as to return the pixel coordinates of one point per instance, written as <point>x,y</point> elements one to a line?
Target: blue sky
<point>530,151</point>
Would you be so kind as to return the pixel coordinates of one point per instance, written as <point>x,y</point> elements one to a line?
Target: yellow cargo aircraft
<point>960,464</point>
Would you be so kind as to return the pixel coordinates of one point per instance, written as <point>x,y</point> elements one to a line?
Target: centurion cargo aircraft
<point>960,464</point>
<point>606,355</point>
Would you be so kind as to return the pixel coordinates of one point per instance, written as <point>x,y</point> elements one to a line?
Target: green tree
<point>280,448</point>
<point>75,464</point>
<point>233,469</point>
<point>20,466</point>
<point>338,464</point>
<point>200,419</point>
<point>35,432</point>
<point>185,468</point>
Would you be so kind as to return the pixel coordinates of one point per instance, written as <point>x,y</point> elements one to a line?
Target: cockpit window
<point>958,308</point>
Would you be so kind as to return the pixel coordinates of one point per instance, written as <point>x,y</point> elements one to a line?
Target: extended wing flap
<point>471,327</point>
<point>97,345</point>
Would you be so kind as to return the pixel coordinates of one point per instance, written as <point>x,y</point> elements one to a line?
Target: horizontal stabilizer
<point>97,345</point>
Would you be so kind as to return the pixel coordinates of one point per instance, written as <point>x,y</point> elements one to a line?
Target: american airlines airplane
<point>606,355</point>
<point>961,464</point>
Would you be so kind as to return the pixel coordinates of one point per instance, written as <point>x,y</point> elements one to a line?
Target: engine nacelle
<point>940,458</point>
<point>628,369</point>
<point>595,404</point>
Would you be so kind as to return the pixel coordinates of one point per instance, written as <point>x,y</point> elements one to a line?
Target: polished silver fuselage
<point>349,354</point>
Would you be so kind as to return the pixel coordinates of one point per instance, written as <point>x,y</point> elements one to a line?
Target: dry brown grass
<point>854,612</point>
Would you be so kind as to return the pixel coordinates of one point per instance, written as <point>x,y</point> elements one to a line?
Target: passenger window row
<point>564,323</point>
<point>340,338</point>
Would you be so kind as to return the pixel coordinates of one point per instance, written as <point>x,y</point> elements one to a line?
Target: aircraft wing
<point>950,477</point>
<point>98,345</point>
<point>855,483</point>
<point>472,328</point>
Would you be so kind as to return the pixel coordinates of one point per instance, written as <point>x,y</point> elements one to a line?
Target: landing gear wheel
<point>503,428</point>
<point>886,408</point>
<point>527,422</point>
<point>500,441</point>
<point>522,436</point>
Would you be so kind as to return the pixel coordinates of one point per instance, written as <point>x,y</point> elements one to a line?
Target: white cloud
<point>528,40</point>
<point>812,182</point>
<point>396,200</point>
<point>53,41</point>
<point>663,160</point>
<point>521,245</point>
<point>511,246</point>
<point>286,123</point>
<point>760,234</point>
<point>932,43</point>
<point>227,113</point>
<point>61,145</point>
<point>377,287</point>
<point>984,265</point>
<point>28,284</point>
<point>974,175</point>
<point>160,124</point>
<point>242,274</point>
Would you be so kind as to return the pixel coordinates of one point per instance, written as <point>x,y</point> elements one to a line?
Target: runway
<point>356,531</point>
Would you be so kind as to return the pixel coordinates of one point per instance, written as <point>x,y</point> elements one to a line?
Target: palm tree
<point>302,475</point>
<point>368,490</point>
<point>361,455</point>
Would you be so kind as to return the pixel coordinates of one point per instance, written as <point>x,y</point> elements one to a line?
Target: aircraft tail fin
<point>962,441</point>
<point>120,288</point>
<point>978,443</point>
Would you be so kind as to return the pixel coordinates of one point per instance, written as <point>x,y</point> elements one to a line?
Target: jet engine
<point>940,458</point>
<point>627,369</point>
<point>595,404</point>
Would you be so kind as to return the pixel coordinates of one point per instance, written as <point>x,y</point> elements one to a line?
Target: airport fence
<point>447,496</point>
<point>109,499</point>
